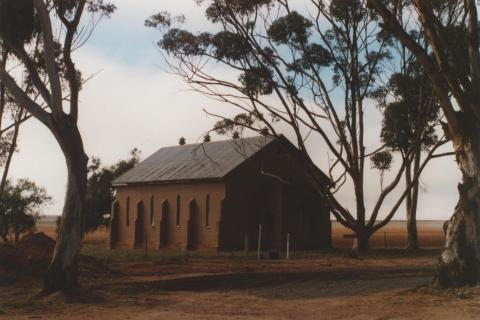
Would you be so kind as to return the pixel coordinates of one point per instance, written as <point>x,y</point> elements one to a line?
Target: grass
<point>106,255</point>
<point>101,252</point>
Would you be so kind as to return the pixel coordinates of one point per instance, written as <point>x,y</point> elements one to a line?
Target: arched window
<point>207,210</point>
<point>152,214</point>
<point>128,211</point>
<point>178,211</point>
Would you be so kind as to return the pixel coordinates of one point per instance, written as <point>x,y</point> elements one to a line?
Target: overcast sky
<point>133,102</point>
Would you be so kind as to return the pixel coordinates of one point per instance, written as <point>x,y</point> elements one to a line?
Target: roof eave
<point>150,183</point>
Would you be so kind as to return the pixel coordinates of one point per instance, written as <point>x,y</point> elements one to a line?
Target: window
<point>178,211</point>
<point>152,212</point>
<point>207,210</point>
<point>128,211</point>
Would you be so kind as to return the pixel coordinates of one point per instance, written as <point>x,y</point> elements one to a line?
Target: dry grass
<point>394,235</point>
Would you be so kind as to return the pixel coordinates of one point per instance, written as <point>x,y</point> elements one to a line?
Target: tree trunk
<point>412,237</point>
<point>63,270</point>
<point>361,243</point>
<point>459,263</point>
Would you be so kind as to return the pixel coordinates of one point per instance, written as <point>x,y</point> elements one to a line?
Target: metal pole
<point>288,245</point>
<point>259,241</point>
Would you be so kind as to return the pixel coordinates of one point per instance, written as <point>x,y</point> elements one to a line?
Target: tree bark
<point>63,270</point>
<point>412,235</point>
<point>362,242</point>
<point>459,263</point>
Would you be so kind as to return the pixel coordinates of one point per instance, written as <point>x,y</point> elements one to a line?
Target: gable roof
<point>206,161</point>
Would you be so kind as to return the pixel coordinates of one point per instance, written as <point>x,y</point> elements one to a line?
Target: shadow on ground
<point>331,283</point>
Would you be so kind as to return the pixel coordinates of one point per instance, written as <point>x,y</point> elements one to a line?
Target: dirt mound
<point>30,257</point>
<point>32,254</point>
<point>37,245</point>
<point>37,250</point>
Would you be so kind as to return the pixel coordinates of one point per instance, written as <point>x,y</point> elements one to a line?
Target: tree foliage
<point>100,194</point>
<point>20,208</point>
<point>414,110</point>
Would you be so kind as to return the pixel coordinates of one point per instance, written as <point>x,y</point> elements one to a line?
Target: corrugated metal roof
<point>211,160</point>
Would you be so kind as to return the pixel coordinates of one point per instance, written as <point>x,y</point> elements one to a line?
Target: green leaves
<point>402,123</point>
<point>347,10</point>
<point>257,81</point>
<point>236,124</point>
<point>20,207</point>
<point>381,160</point>
<point>292,28</point>
<point>180,42</point>
<point>17,21</point>
<point>164,20</point>
<point>224,45</point>
<point>218,9</point>
<point>414,110</point>
<point>105,8</point>
<point>230,46</point>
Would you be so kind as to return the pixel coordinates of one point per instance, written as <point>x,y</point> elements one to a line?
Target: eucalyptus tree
<point>451,62</point>
<point>411,111</point>
<point>29,29</point>
<point>314,73</point>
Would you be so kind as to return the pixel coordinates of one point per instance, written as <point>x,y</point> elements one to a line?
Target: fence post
<point>259,241</point>
<point>288,245</point>
<point>146,246</point>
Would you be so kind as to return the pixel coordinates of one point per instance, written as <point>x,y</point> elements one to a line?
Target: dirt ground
<point>386,284</point>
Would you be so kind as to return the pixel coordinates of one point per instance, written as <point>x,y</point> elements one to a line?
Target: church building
<point>217,195</point>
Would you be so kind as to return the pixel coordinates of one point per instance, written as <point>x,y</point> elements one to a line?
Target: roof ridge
<point>216,141</point>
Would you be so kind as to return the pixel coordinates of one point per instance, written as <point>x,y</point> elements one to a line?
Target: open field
<point>430,234</point>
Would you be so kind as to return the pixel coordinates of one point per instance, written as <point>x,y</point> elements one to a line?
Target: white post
<point>288,245</point>
<point>259,241</point>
